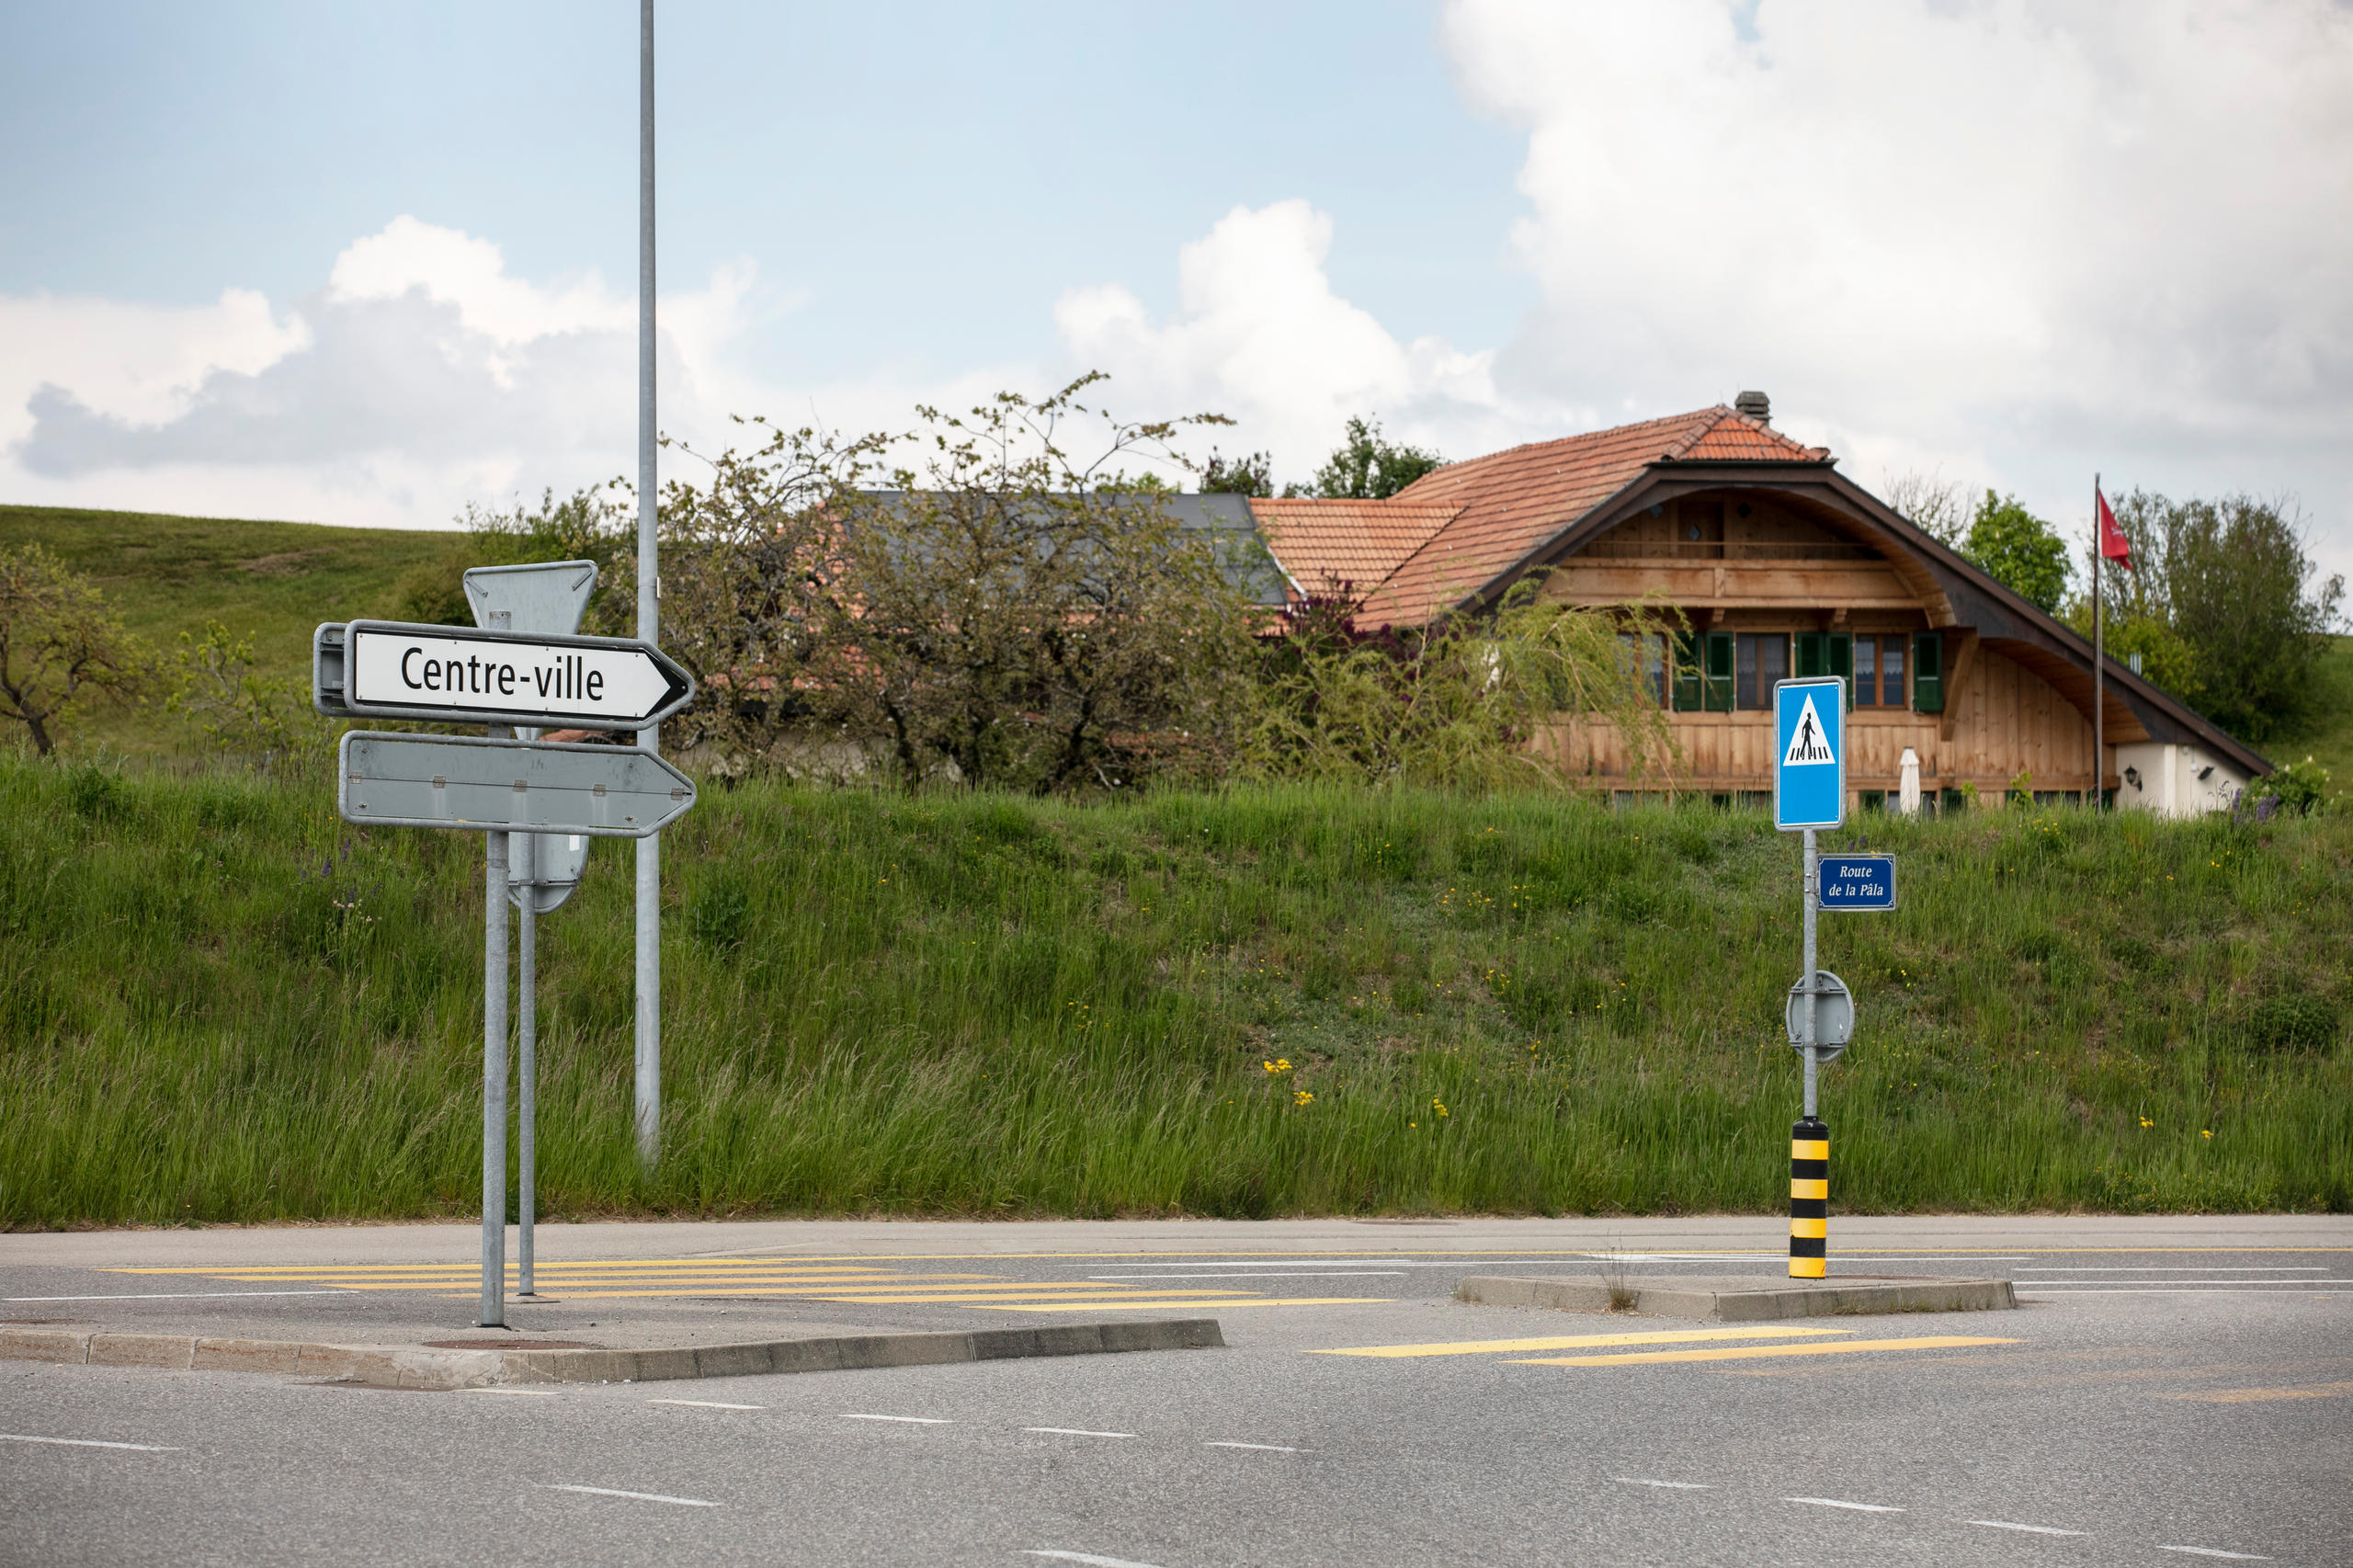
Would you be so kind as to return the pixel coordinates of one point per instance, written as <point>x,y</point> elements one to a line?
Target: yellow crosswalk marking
<point>1118,1305</point>
<point>897,1295</point>
<point>846,1281</point>
<point>1577,1341</point>
<point>1933,1342</point>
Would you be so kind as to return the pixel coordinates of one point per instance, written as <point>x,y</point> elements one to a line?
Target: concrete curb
<point>422,1367</point>
<point>1741,1300</point>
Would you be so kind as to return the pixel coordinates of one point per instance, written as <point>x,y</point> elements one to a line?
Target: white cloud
<point>2017,240</point>
<point>1259,334</point>
<point>420,377</point>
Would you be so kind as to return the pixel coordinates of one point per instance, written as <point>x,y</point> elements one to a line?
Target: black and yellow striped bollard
<point>1810,1198</point>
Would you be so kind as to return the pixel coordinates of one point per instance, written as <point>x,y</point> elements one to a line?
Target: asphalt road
<point>2172,1392</point>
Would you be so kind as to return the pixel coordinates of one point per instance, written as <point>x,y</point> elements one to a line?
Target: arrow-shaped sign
<point>498,785</point>
<point>390,669</point>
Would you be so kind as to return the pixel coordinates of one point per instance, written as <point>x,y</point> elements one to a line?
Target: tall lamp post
<point>648,849</point>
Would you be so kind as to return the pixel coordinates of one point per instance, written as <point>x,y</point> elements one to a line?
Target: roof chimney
<point>1757,405</point>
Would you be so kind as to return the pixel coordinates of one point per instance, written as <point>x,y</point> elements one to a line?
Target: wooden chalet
<point>1781,566</point>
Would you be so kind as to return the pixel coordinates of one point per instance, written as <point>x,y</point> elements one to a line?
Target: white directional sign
<point>500,786</point>
<point>395,670</point>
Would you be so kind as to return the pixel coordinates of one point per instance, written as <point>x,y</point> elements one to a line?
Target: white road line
<point>516,1393</point>
<point>90,1443</point>
<point>1255,1274</point>
<point>2183,1268</point>
<point>1835,1503</point>
<point>1677,1486</point>
<point>1076,1432</point>
<point>2177,1284</point>
<point>2030,1530</point>
<point>634,1496</point>
<point>182,1295</point>
<point>910,1420</point>
<point>1086,1557</point>
<point>1843,1257</point>
<point>706,1404</point>
<point>2209,1552</point>
<point>2184,1288</point>
<point>1266,1448</point>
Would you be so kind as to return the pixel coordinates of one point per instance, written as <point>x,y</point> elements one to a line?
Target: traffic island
<point>1737,1299</point>
<point>472,1365</point>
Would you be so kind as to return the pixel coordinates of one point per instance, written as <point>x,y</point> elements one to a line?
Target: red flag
<point>2112,542</point>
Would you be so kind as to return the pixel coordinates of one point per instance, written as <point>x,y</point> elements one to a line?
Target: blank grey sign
<point>491,786</point>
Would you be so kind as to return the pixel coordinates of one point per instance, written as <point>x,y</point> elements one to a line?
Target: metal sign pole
<point>526,1066</point>
<point>648,849</point>
<point>1812,1012</point>
<point>493,1089</point>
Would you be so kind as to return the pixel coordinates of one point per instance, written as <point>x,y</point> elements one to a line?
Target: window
<point>1647,654</point>
<point>1879,672</point>
<point>1703,672</point>
<point>1764,660</point>
<point>1826,654</point>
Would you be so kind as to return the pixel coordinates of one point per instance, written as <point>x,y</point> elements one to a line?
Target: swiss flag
<point>2112,542</point>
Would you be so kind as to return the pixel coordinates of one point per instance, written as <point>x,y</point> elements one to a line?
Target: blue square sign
<point>1809,754</point>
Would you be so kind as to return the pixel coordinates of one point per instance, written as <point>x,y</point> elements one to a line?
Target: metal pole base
<point>1810,1200</point>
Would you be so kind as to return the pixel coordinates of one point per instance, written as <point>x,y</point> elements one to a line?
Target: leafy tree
<point>1457,702</point>
<point>2227,608</point>
<point>267,720</point>
<point>60,646</point>
<point>1367,468</point>
<point>2252,608</point>
<point>997,610</point>
<point>1251,474</point>
<point>2019,550</point>
<point>751,568</point>
<point>591,524</point>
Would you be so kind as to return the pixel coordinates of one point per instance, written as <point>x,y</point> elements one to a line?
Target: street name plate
<point>1858,881</point>
<point>396,670</point>
<point>497,786</point>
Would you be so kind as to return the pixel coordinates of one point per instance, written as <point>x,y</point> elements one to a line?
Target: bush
<point>2292,1022</point>
<point>2298,787</point>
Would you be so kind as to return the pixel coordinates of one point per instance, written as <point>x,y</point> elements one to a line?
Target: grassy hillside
<point>218,1003</point>
<point>272,581</point>
<point>2330,741</point>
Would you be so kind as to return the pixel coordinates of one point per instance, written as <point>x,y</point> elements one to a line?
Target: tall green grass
<point>218,1003</point>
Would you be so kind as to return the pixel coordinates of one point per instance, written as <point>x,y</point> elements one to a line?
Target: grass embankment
<point>271,582</point>
<point>219,1004</point>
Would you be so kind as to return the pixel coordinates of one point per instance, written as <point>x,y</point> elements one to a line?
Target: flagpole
<point>2100,663</point>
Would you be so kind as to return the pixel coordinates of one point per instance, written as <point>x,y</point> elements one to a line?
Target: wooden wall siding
<point>1778,529</point>
<point>1806,591</point>
<point>2008,721</point>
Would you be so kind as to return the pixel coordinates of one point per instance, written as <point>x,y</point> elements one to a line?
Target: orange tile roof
<point>1353,545</point>
<point>1496,510</point>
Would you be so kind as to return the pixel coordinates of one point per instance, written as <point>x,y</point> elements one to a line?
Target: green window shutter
<point>1719,672</point>
<point>1840,646</point>
<point>1928,672</point>
<point>1809,655</point>
<point>1687,689</point>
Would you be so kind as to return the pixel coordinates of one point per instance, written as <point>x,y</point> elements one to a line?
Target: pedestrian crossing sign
<point>1810,753</point>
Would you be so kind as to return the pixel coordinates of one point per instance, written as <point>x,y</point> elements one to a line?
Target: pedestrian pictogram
<point>1807,747</point>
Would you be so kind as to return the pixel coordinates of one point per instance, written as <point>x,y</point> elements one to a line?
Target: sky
<point>374,264</point>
